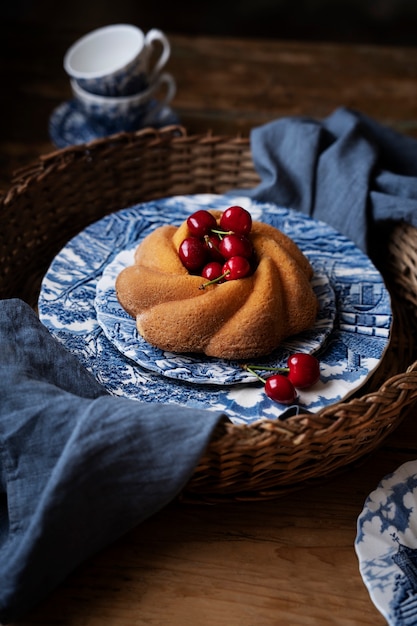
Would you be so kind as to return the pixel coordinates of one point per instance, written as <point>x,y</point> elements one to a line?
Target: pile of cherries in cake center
<point>218,252</point>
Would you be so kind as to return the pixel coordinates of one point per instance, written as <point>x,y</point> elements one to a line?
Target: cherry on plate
<point>280,389</point>
<point>304,370</point>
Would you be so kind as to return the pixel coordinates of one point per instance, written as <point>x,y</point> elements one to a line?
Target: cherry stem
<point>215,280</point>
<point>218,231</point>
<point>252,370</point>
<point>210,244</point>
<point>249,369</point>
<point>267,369</point>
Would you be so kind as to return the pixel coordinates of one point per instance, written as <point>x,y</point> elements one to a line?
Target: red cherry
<point>192,253</point>
<point>237,219</point>
<point>304,370</point>
<point>212,243</point>
<point>201,222</point>
<point>235,245</point>
<point>280,389</point>
<point>212,271</point>
<point>236,267</point>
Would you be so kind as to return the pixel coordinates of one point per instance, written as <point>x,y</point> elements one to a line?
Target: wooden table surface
<point>285,562</point>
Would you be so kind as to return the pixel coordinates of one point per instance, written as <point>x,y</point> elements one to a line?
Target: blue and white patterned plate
<point>352,343</point>
<point>69,126</point>
<point>121,331</point>
<point>386,546</point>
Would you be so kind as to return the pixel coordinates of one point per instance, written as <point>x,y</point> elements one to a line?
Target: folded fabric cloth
<point>78,467</point>
<point>347,170</point>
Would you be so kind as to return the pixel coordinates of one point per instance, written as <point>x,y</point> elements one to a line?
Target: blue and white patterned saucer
<point>386,546</point>
<point>69,126</point>
<point>353,337</point>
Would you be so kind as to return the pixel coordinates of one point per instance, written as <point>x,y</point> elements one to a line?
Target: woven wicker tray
<point>65,191</point>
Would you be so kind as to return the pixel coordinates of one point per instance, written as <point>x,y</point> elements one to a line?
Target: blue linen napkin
<point>78,467</point>
<point>347,170</point>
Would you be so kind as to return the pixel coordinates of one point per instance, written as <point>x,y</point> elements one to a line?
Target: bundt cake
<point>178,310</point>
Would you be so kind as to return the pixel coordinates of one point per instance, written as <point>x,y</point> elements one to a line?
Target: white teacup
<point>125,113</point>
<point>115,60</point>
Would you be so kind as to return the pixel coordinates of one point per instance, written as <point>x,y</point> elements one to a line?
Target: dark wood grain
<point>290,561</point>
<point>224,85</point>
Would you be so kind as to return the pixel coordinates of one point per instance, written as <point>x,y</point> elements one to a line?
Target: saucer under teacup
<point>69,125</point>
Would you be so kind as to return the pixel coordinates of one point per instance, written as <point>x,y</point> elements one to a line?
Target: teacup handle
<point>157,35</point>
<point>169,80</point>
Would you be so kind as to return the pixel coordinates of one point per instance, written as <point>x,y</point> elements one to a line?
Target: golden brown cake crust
<point>237,319</point>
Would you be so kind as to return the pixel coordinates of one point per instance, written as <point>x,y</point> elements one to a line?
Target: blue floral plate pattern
<point>386,545</point>
<point>350,337</point>
<point>69,126</point>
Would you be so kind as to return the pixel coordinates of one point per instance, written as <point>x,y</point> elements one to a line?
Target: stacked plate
<point>79,306</point>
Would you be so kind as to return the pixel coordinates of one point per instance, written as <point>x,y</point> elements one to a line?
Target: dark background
<point>35,34</point>
<point>385,22</point>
